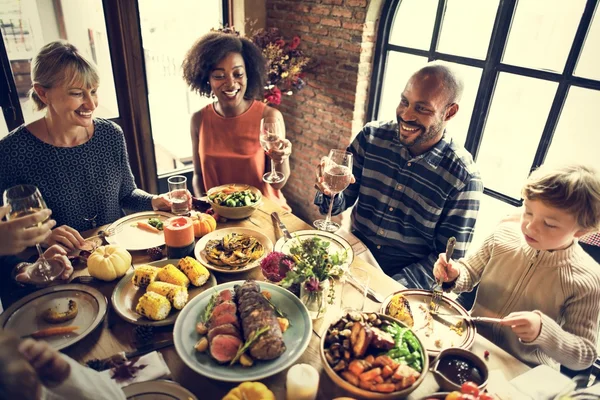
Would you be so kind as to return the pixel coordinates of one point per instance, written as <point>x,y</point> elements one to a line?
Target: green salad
<point>240,198</point>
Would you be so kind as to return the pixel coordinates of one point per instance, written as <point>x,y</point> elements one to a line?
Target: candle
<point>302,382</point>
<point>179,237</point>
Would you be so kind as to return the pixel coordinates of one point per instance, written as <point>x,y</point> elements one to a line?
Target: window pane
<point>541,34</point>
<point>399,68</point>
<point>168,31</point>
<point>577,137</point>
<point>28,25</point>
<point>513,130</point>
<point>458,127</point>
<point>491,212</point>
<point>413,23</point>
<point>467,39</point>
<point>3,127</point>
<point>589,61</point>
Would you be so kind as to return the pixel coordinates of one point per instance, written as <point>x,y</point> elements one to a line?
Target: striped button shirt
<point>407,207</point>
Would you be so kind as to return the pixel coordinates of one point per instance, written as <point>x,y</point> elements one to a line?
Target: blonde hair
<point>59,62</point>
<point>574,188</point>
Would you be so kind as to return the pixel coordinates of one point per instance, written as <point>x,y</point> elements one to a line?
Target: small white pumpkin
<point>108,263</point>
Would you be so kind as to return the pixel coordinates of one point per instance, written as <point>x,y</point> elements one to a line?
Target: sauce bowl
<point>449,381</point>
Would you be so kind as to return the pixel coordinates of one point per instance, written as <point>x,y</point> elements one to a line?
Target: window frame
<point>491,67</point>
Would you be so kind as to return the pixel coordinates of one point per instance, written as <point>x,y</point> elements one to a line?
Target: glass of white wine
<point>337,175</point>
<point>271,134</point>
<point>24,200</point>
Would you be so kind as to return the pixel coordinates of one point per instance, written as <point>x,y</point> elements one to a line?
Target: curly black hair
<point>210,49</point>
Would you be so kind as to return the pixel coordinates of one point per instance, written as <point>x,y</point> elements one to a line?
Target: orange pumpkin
<point>203,224</point>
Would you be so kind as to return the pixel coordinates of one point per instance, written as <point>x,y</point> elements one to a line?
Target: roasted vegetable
<point>54,316</point>
<point>153,306</point>
<point>59,330</point>
<point>202,345</point>
<point>177,295</point>
<point>144,275</point>
<point>233,250</point>
<point>195,272</point>
<point>170,274</point>
<point>399,308</point>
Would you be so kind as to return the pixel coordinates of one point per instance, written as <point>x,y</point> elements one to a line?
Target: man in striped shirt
<point>414,187</point>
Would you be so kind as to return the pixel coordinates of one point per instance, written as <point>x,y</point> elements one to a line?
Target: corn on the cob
<point>177,295</point>
<point>399,308</point>
<point>144,275</point>
<point>170,274</point>
<point>196,272</point>
<point>153,306</point>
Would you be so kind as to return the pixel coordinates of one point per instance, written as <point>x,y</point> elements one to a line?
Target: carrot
<point>147,227</point>
<point>370,374</point>
<point>57,330</point>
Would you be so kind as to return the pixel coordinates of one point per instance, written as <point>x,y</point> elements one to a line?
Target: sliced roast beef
<point>225,329</point>
<point>224,295</point>
<point>226,307</point>
<point>223,318</point>
<point>223,348</point>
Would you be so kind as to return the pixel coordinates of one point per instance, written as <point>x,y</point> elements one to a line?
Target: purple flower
<point>312,284</point>
<point>276,265</point>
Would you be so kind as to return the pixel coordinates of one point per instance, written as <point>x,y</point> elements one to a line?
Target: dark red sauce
<point>460,370</point>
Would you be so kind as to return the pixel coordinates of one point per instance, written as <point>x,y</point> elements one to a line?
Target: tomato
<point>470,388</point>
<point>453,395</point>
<point>468,396</point>
<point>485,396</point>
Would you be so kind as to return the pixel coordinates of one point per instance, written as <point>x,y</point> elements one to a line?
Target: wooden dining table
<point>115,334</point>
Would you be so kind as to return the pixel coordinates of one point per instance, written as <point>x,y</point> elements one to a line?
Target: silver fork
<point>436,291</point>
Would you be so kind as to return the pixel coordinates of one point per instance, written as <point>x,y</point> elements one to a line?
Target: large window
<point>531,72</point>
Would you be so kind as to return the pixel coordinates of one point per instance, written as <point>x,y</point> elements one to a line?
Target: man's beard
<point>422,137</point>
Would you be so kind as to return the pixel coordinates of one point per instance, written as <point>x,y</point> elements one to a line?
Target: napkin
<point>155,368</point>
<point>541,382</point>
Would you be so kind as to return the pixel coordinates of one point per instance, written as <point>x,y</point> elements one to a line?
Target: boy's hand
<point>445,271</point>
<point>51,368</point>
<point>527,325</point>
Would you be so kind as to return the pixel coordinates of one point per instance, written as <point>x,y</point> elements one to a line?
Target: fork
<point>436,291</point>
<point>107,233</point>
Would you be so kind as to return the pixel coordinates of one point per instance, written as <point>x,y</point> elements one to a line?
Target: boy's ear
<point>582,232</point>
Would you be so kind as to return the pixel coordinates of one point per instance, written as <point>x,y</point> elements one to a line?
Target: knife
<point>121,357</point>
<point>468,318</point>
<point>286,233</point>
<point>374,295</point>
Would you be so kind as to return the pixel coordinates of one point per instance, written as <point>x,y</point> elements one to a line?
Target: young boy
<point>535,276</point>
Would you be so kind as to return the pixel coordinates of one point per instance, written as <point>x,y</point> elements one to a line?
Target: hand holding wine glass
<point>25,200</point>
<point>272,139</point>
<point>20,233</point>
<point>335,176</point>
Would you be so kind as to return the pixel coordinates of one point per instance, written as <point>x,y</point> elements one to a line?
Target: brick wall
<point>331,109</point>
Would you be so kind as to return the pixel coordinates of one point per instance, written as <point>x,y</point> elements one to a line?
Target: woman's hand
<point>527,325</point>
<point>52,369</point>
<point>54,253</point>
<point>163,202</point>
<point>66,237</point>
<point>445,271</point>
<point>319,183</point>
<point>282,153</point>
<point>21,233</point>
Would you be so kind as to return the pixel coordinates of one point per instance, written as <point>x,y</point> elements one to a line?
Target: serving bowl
<point>451,383</point>
<point>235,212</point>
<point>360,393</point>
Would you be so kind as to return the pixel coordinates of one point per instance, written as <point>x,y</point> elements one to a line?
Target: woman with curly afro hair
<point>225,134</point>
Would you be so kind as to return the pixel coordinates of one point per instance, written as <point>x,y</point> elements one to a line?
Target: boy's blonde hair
<point>574,188</point>
<point>60,62</point>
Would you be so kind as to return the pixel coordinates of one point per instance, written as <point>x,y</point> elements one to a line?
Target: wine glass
<point>337,175</point>
<point>271,133</point>
<point>24,200</point>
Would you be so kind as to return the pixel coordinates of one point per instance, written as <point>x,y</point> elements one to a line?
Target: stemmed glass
<point>337,175</point>
<point>271,134</point>
<point>24,200</point>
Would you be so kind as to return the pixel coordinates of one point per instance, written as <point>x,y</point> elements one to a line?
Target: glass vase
<point>316,301</point>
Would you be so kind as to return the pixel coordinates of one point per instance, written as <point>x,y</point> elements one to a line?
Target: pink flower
<point>295,43</point>
<point>273,96</point>
<point>276,265</point>
<point>280,43</point>
<point>312,284</point>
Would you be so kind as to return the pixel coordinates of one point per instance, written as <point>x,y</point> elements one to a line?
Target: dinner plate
<point>219,234</point>
<point>129,236</point>
<point>25,316</point>
<point>296,337</point>
<point>337,243</point>
<point>126,296</point>
<point>158,390</point>
<point>441,327</point>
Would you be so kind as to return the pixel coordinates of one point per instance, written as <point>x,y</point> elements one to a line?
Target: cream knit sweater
<point>562,285</point>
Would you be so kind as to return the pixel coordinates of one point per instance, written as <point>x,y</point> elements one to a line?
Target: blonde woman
<point>78,162</point>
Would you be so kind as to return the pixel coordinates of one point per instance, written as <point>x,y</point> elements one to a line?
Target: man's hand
<point>445,271</point>
<point>319,183</point>
<point>282,153</point>
<point>54,253</point>
<point>51,368</point>
<point>66,237</point>
<point>527,325</point>
<point>21,233</point>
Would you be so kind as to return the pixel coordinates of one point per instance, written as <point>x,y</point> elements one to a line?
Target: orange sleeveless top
<point>230,151</point>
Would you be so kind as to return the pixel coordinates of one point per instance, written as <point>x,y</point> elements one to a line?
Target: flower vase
<point>315,301</point>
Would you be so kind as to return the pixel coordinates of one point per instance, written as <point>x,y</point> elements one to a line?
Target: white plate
<point>126,296</point>
<point>158,390</point>
<point>337,243</point>
<point>25,316</point>
<point>219,234</point>
<point>133,238</point>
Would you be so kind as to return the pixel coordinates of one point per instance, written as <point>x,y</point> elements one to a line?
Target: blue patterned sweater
<point>78,182</point>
